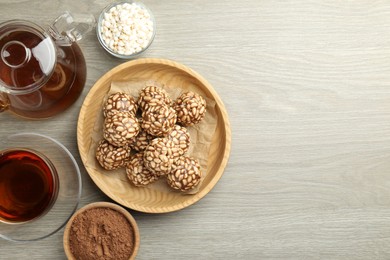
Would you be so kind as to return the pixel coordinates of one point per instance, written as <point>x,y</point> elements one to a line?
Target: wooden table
<point>307,88</point>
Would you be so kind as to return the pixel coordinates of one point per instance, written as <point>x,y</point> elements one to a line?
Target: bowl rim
<point>102,204</point>
<point>75,201</point>
<point>108,49</point>
<point>194,197</point>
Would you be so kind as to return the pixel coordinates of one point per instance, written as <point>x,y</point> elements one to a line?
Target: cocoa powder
<point>101,233</point>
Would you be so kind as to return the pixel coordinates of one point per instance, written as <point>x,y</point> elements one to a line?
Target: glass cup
<point>40,186</point>
<point>28,185</point>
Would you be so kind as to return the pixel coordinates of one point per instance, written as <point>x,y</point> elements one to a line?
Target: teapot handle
<point>4,102</point>
<point>69,28</point>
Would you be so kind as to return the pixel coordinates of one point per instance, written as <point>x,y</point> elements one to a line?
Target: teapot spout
<point>69,28</point>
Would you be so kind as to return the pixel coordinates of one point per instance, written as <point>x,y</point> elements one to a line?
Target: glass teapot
<point>42,72</point>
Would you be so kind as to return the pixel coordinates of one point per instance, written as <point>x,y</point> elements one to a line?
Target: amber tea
<point>28,185</point>
<point>63,86</point>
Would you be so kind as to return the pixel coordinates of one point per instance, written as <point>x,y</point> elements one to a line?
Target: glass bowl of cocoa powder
<point>101,230</point>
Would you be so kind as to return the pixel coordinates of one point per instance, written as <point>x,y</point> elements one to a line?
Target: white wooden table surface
<point>307,89</point>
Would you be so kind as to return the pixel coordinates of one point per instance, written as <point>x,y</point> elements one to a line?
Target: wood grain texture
<point>175,77</point>
<point>307,88</point>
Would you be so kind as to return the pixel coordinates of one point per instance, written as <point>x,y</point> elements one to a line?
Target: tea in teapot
<point>42,72</point>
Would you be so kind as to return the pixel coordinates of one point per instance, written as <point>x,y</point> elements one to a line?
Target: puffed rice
<point>137,173</point>
<point>186,174</point>
<point>111,157</point>
<point>127,28</point>
<point>120,128</point>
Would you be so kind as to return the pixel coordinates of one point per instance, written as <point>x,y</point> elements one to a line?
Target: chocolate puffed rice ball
<point>160,155</point>
<point>120,128</point>
<point>159,120</point>
<point>186,174</point>
<point>190,108</point>
<point>111,157</point>
<point>119,102</point>
<point>137,173</point>
<point>180,137</point>
<point>151,96</point>
<point>141,141</point>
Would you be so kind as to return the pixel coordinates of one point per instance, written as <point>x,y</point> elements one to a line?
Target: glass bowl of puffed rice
<point>126,29</point>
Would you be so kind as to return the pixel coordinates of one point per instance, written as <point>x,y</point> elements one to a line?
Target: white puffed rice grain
<point>127,28</point>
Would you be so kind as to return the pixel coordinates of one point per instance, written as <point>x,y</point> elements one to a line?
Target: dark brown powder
<point>101,233</point>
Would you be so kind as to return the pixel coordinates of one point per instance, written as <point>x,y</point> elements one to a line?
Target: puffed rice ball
<point>119,102</point>
<point>159,120</point>
<point>180,137</point>
<point>137,173</point>
<point>111,157</point>
<point>190,108</point>
<point>186,174</point>
<point>151,96</point>
<point>160,155</point>
<point>120,128</point>
<point>141,141</point>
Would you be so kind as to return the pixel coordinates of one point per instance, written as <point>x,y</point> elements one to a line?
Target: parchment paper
<point>200,135</point>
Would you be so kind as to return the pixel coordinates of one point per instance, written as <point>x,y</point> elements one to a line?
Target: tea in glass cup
<point>28,185</point>
<point>40,186</point>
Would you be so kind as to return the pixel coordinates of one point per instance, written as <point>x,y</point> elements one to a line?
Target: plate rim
<point>225,119</point>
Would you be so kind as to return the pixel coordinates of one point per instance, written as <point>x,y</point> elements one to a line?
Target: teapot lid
<point>28,57</point>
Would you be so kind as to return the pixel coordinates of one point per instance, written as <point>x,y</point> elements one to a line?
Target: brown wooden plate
<point>146,199</point>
